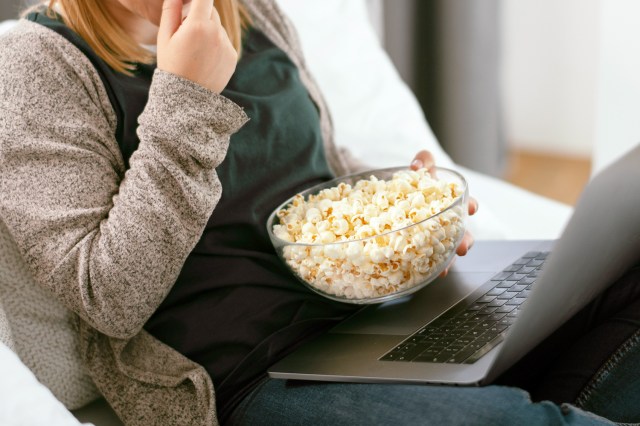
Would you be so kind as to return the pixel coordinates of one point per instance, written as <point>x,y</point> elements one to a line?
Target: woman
<point>131,202</point>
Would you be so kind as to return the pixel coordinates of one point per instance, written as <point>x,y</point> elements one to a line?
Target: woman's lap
<point>279,402</point>
<point>593,361</point>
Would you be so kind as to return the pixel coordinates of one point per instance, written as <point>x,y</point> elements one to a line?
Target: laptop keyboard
<point>470,329</point>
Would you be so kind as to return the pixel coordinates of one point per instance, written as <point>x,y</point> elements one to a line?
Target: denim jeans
<point>586,373</point>
<point>279,402</point>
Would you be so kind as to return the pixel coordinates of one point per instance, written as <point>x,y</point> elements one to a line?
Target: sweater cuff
<point>181,96</point>
<point>185,118</point>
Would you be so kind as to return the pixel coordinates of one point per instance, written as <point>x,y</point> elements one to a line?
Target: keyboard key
<point>467,326</point>
<point>507,321</point>
<point>476,345</point>
<point>427,355</point>
<point>510,294</point>
<point>450,351</point>
<point>496,291</point>
<point>472,322</point>
<point>437,358</point>
<point>486,337</point>
<point>497,302</point>
<point>406,346</point>
<point>467,314</point>
<point>518,276</point>
<point>522,261</point>
<point>457,333</point>
<point>501,276</point>
<point>518,287</point>
<point>482,351</point>
<point>535,262</point>
<point>506,308</point>
<point>542,255</point>
<point>475,333</point>
<point>507,295</point>
<point>484,325</point>
<point>526,270</point>
<point>498,328</point>
<point>506,284</point>
<point>464,340</point>
<point>487,299</point>
<point>458,320</point>
<point>411,354</point>
<point>527,280</point>
<point>391,356</point>
<point>461,356</point>
<point>488,310</point>
<point>516,301</point>
<point>434,337</point>
<point>532,254</point>
<point>512,268</point>
<point>496,316</point>
<point>416,339</point>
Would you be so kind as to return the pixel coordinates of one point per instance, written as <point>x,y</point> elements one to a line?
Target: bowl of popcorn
<point>372,236</point>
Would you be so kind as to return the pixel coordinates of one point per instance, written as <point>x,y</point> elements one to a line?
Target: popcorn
<point>378,237</point>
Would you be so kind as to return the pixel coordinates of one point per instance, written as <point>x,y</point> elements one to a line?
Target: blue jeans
<point>278,402</point>
<point>590,367</point>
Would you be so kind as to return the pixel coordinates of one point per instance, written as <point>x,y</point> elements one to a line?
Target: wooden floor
<point>557,177</point>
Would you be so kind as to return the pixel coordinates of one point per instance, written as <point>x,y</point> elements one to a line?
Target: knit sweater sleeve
<point>107,242</point>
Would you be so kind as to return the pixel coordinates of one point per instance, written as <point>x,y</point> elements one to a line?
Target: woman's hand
<point>197,48</point>
<point>425,159</point>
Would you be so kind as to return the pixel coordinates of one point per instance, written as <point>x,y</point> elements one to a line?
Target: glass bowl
<point>390,258</point>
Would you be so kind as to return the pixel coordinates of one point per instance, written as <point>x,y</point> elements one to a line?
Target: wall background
<point>550,63</point>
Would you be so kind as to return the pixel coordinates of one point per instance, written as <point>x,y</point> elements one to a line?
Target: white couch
<point>378,118</point>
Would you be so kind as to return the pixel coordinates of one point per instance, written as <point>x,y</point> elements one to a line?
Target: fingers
<point>215,17</point>
<point>201,10</point>
<point>465,244</point>
<point>170,20</point>
<point>446,271</point>
<point>473,206</point>
<point>463,249</point>
<point>423,159</point>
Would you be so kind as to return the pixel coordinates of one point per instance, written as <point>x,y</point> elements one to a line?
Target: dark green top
<point>235,309</point>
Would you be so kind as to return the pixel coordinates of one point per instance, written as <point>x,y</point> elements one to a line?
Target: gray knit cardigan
<point>108,242</point>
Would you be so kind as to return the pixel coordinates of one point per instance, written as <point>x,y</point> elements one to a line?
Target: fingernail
<point>417,164</point>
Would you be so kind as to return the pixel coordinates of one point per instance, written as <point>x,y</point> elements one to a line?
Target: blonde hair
<point>91,20</point>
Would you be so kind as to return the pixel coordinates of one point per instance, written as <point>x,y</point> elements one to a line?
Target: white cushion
<point>25,401</point>
<point>374,112</point>
<point>42,329</point>
<point>6,336</point>
<point>7,25</point>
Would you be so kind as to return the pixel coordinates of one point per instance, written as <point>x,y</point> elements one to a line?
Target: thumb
<point>170,20</point>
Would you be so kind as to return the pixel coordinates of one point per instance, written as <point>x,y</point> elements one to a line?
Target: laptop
<point>496,304</point>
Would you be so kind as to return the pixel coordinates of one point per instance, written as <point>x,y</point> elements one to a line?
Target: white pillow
<point>42,329</point>
<point>375,114</point>
<point>7,25</point>
<point>6,336</point>
<point>23,400</point>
